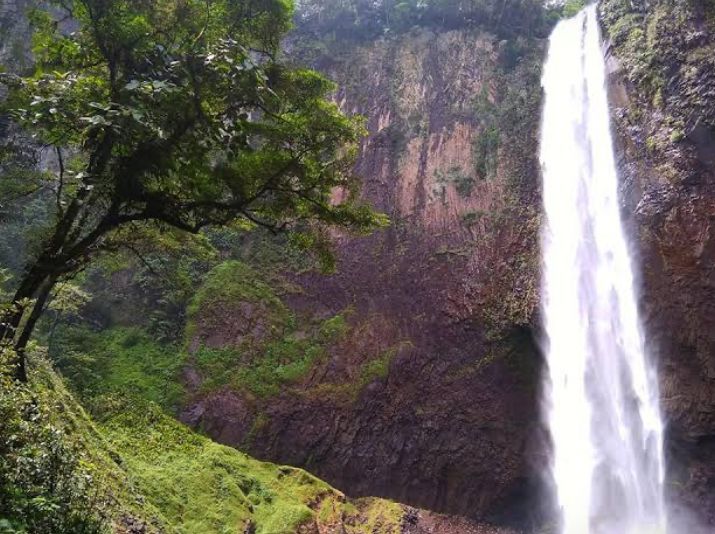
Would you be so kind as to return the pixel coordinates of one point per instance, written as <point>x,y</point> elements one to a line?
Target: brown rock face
<point>665,120</point>
<point>442,299</point>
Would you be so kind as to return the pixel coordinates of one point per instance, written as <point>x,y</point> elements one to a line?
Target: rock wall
<point>663,62</point>
<point>14,34</point>
<point>444,298</point>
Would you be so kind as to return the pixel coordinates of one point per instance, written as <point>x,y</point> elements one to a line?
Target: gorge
<point>414,371</point>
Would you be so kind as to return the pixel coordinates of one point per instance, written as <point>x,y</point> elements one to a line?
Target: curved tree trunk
<point>15,335</point>
<point>26,332</point>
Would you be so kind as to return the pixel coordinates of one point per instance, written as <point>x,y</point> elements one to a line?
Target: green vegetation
<point>372,369</point>
<point>62,473</point>
<point>665,53</point>
<point>175,113</point>
<point>282,349</point>
<point>118,360</point>
<point>359,20</point>
<point>201,486</point>
<point>57,473</point>
<point>231,282</point>
<point>677,136</point>
<point>471,218</point>
<point>42,486</point>
<point>262,370</point>
<point>508,113</point>
<point>276,349</point>
<point>571,7</point>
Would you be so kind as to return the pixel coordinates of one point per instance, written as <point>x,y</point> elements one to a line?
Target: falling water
<point>602,395</point>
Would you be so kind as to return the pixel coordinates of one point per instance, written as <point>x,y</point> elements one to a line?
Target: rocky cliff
<point>663,90</point>
<point>428,393</point>
<point>412,372</point>
<point>445,299</point>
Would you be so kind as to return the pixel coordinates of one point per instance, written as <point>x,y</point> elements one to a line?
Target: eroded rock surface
<point>664,98</point>
<point>430,397</point>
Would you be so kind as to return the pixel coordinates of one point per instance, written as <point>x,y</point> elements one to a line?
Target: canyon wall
<point>662,57</point>
<point>429,394</point>
<point>447,295</point>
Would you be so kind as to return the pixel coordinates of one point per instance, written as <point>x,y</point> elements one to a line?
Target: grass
<point>145,464</point>
<point>119,359</point>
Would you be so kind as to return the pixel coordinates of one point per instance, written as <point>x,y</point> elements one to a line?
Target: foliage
<point>43,485</point>
<point>486,145</point>
<point>174,102</point>
<point>26,208</point>
<point>176,113</point>
<point>162,270</point>
<point>360,20</point>
<point>571,7</point>
<point>118,360</point>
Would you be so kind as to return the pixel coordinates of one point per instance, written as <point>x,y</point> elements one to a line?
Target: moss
<point>376,368</point>
<point>263,369</point>
<point>676,136</point>
<point>230,282</point>
<point>334,328</point>
<point>201,486</point>
<point>380,516</point>
<point>282,362</point>
<point>278,350</point>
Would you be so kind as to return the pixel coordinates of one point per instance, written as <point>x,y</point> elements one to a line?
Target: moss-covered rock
<point>663,95</point>
<point>201,486</point>
<point>136,469</point>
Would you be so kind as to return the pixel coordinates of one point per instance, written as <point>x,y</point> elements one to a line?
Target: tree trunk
<point>33,286</point>
<point>21,343</point>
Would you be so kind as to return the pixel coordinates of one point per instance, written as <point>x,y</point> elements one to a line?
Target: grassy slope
<point>147,465</point>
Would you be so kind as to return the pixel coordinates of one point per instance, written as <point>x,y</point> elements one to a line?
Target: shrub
<point>43,488</point>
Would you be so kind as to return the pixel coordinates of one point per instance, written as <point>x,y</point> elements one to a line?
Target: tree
<point>177,113</point>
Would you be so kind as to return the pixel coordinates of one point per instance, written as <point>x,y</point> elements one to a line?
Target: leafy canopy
<point>178,111</point>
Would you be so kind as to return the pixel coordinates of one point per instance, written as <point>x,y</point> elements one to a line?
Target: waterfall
<point>601,395</point>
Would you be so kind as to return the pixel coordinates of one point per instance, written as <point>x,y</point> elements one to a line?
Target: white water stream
<point>601,396</point>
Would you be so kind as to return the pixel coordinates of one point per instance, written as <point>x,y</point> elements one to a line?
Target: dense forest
<point>243,242</point>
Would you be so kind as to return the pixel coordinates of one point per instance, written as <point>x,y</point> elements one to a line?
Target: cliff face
<point>429,393</point>
<point>663,60</point>
<point>14,33</point>
<point>412,372</point>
